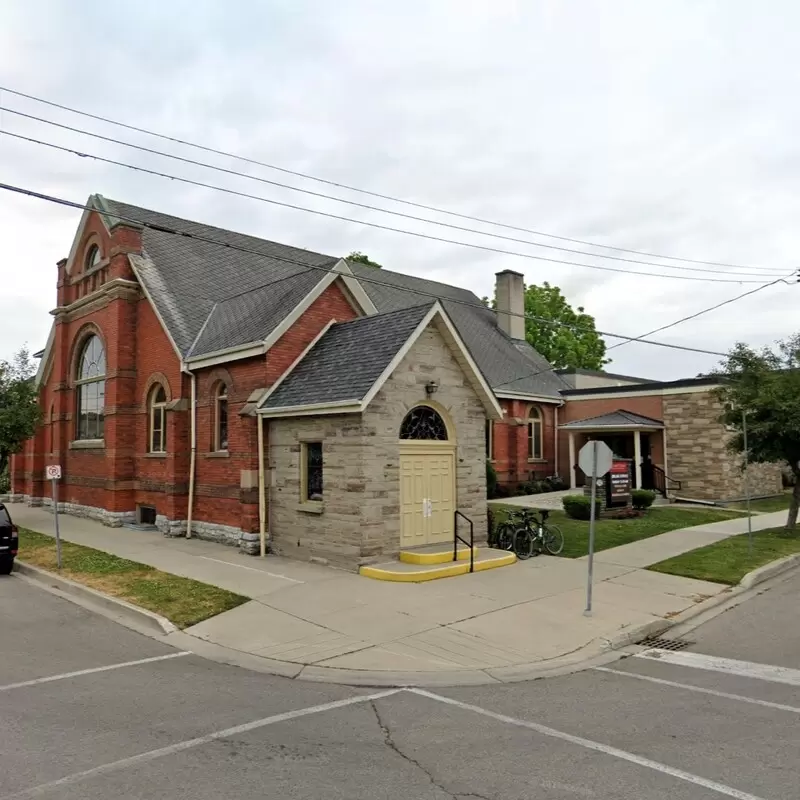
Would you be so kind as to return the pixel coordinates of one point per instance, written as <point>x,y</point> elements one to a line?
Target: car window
<point>4,518</point>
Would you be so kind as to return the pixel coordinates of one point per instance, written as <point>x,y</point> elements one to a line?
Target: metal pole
<point>593,495</point>
<point>55,512</point>
<point>747,486</point>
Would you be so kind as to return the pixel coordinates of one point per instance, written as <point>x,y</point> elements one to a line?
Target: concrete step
<point>435,554</point>
<point>403,572</point>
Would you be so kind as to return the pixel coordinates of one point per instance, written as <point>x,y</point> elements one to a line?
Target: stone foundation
<point>249,543</point>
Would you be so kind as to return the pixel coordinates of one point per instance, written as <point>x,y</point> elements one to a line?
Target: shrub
<point>579,506</point>
<point>491,480</point>
<point>557,483</point>
<point>624,513</point>
<point>5,482</point>
<point>642,498</point>
<point>523,489</point>
<point>492,533</point>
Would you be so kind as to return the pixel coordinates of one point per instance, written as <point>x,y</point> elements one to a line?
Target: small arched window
<point>158,420</point>
<point>90,382</point>
<point>424,422</point>
<point>93,257</point>
<point>535,433</point>
<point>221,418</point>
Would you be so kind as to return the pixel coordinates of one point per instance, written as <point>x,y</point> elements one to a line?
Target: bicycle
<point>536,536</point>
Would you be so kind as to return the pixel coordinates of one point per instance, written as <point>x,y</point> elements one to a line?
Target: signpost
<point>53,472</point>
<point>595,459</point>
<point>619,489</point>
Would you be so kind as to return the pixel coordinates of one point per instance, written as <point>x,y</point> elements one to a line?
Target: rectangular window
<point>158,437</point>
<point>489,439</point>
<point>311,471</point>
<point>91,403</point>
<point>535,439</point>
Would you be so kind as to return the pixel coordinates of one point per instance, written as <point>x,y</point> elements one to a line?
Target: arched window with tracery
<point>424,422</point>
<point>90,383</point>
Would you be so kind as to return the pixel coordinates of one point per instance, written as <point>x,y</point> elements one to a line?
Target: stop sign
<point>599,451</point>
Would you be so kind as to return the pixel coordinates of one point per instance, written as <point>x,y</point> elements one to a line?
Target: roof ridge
<point>385,314</point>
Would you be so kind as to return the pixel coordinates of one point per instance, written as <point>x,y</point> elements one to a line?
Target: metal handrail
<point>664,479</point>
<point>457,539</point>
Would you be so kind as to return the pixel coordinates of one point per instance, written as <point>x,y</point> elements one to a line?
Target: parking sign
<point>53,472</point>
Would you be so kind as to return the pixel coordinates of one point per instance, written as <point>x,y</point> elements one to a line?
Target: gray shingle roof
<point>212,297</point>
<point>615,419</point>
<point>345,363</point>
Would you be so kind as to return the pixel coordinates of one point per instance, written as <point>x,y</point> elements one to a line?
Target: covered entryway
<point>427,478</point>
<point>630,436</point>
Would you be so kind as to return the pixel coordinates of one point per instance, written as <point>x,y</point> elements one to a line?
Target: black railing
<point>457,539</point>
<point>662,481</point>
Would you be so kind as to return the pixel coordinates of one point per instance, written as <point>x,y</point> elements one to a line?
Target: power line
<point>376,281</point>
<point>328,215</point>
<point>704,311</point>
<point>754,270</point>
<point>340,185</point>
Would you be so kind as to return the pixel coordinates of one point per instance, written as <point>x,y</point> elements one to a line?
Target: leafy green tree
<point>577,346</point>
<point>363,258</point>
<point>19,410</point>
<point>764,385</point>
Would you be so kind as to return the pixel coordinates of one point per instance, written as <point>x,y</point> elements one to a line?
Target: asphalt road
<point>684,726</point>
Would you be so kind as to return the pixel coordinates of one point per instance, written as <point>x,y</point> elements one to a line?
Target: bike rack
<point>457,539</point>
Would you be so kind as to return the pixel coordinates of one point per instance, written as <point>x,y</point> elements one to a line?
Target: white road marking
<point>697,780</point>
<point>91,671</point>
<point>252,569</point>
<point>730,666</point>
<point>178,747</point>
<point>714,692</point>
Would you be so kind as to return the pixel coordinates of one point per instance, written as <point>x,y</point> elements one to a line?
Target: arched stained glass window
<point>424,422</point>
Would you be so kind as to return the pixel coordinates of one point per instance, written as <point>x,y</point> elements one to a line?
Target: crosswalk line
<point>728,666</point>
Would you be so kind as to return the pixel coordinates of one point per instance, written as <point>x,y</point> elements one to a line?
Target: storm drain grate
<point>660,643</point>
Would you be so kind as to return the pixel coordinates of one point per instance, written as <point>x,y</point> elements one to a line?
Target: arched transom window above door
<point>424,422</point>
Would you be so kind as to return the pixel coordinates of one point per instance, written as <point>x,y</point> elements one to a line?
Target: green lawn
<point>729,561</point>
<point>777,503</point>
<point>614,532</point>
<point>183,601</point>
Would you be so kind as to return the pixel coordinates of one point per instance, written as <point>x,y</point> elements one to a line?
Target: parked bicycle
<point>534,535</point>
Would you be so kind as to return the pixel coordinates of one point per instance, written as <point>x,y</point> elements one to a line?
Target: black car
<point>9,541</point>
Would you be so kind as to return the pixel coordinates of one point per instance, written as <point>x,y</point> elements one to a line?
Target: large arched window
<point>534,433</point>
<point>90,384</point>
<point>424,422</point>
<point>158,419</point>
<point>221,418</point>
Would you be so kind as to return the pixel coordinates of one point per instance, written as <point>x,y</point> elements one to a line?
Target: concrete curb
<point>769,571</point>
<point>120,609</point>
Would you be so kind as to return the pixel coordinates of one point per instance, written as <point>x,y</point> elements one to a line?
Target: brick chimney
<point>509,293</point>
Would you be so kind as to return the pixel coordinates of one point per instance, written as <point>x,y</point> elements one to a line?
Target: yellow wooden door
<point>427,496</point>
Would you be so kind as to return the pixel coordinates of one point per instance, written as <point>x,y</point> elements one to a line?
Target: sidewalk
<point>317,623</point>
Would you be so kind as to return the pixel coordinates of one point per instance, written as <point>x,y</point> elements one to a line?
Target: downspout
<point>555,441</point>
<point>193,456</point>
<point>262,511</point>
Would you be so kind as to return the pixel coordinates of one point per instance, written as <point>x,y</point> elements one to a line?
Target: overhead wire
<point>430,237</point>
<point>376,281</point>
<point>348,187</point>
<point>768,272</point>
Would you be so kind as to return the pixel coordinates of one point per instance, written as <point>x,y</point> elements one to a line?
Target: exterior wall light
<point>431,387</point>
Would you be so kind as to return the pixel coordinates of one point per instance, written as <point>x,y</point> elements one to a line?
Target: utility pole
<point>747,485</point>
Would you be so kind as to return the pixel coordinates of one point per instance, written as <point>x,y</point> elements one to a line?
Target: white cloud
<point>666,127</point>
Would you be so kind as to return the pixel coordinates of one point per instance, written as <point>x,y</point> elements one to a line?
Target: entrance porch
<point>630,436</point>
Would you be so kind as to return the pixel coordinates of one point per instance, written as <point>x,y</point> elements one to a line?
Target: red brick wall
<point>139,354</point>
<point>510,444</point>
<point>576,409</point>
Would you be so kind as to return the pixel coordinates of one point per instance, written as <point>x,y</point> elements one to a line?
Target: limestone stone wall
<point>334,534</point>
<point>358,521</point>
<point>697,453</point>
<point>429,359</point>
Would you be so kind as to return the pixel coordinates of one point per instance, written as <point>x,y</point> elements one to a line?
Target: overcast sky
<point>670,127</point>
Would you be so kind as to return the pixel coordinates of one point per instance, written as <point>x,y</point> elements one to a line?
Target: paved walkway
<point>314,622</point>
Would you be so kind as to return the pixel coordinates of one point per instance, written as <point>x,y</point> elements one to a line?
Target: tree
<point>577,346</point>
<point>764,385</point>
<point>363,258</point>
<point>19,410</point>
